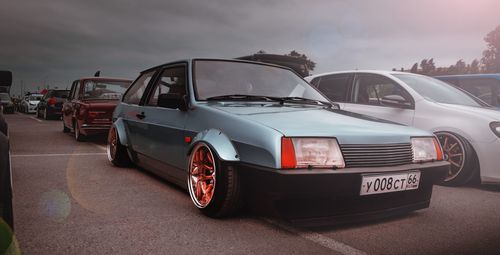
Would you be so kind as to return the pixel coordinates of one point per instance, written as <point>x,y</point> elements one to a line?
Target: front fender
<point>119,125</point>
<point>219,142</point>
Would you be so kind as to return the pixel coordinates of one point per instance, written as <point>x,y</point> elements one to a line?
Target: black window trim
<point>357,75</point>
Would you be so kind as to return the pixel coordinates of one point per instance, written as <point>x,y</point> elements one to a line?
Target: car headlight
<point>311,153</point>
<point>495,127</point>
<point>426,149</point>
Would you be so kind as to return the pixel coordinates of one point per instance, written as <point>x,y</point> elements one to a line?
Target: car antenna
<point>97,74</point>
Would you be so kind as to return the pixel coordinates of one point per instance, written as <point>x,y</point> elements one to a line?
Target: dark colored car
<point>6,213</point>
<point>484,86</point>
<point>6,103</point>
<point>90,105</point>
<point>50,105</point>
<point>299,65</point>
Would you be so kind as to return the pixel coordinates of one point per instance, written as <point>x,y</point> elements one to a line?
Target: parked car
<point>484,86</point>
<point>467,128</point>
<point>6,103</point>
<point>6,213</point>
<point>30,103</point>
<point>232,131</point>
<point>297,64</point>
<point>50,105</point>
<point>90,105</point>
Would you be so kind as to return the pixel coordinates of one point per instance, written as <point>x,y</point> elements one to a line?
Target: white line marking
<point>101,147</point>
<point>34,118</point>
<point>57,155</point>
<point>317,238</point>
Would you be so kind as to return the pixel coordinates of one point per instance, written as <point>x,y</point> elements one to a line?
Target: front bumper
<point>319,196</point>
<point>487,154</point>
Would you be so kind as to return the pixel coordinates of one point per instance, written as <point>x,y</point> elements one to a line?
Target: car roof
<point>381,72</point>
<point>216,59</point>
<point>105,79</point>
<point>467,76</point>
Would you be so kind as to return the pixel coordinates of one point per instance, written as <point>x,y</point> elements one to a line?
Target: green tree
<point>309,63</point>
<point>491,56</point>
<point>474,66</point>
<point>414,68</point>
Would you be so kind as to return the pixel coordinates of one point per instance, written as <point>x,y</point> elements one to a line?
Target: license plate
<point>384,183</point>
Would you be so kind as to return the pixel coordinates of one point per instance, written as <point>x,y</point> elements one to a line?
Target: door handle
<point>140,115</point>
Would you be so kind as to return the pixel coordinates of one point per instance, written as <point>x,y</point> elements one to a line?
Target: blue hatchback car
<point>234,132</point>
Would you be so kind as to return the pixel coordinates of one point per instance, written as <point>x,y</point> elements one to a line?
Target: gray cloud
<point>58,41</point>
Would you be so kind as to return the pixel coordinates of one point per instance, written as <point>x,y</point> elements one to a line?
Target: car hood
<point>311,121</point>
<point>491,113</point>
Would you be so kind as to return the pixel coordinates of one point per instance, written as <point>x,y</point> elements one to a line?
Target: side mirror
<point>395,101</point>
<point>173,101</point>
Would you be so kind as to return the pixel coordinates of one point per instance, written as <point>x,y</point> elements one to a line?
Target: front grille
<point>367,155</point>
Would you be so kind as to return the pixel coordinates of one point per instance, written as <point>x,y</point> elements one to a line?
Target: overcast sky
<point>55,42</point>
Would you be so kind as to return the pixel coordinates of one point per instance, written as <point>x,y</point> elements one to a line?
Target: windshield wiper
<point>281,100</point>
<point>243,98</point>
<point>306,100</point>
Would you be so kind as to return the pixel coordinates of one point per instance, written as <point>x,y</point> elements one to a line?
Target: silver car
<point>30,103</point>
<point>467,128</point>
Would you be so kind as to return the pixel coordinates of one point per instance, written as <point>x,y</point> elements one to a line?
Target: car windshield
<point>35,97</point>
<point>4,97</point>
<point>439,91</point>
<point>222,78</point>
<point>104,89</point>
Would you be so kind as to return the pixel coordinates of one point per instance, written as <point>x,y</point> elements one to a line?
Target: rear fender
<point>219,142</point>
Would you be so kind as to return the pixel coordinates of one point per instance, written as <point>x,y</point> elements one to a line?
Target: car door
<point>336,87</point>
<point>164,133</point>
<point>43,102</point>
<point>67,109</point>
<point>131,112</point>
<point>381,97</point>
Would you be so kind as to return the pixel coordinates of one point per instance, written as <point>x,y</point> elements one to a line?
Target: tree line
<point>489,62</point>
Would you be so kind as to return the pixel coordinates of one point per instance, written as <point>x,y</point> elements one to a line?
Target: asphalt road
<point>68,199</point>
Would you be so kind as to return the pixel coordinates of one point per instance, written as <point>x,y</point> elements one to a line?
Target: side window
<point>483,88</point>
<point>134,94</point>
<point>335,87</point>
<point>172,81</point>
<point>375,89</point>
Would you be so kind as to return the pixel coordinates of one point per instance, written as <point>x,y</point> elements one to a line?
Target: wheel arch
<point>219,143</point>
<point>119,125</point>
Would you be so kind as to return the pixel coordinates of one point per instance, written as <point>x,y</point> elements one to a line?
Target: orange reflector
<point>187,139</point>
<point>93,114</point>
<point>287,153</point>
<point>439,152</point>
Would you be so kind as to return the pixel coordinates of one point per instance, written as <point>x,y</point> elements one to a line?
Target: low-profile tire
<point>464,166</point>
<point>117,153</point>
<point>78,136</point>
<point>214,187</point>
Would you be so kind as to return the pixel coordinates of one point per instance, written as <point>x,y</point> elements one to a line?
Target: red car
<point>90,105</point>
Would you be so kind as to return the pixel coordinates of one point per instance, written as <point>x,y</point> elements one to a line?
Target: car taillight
<point>51,101</point>
<point>93,114</point>
<point>288,159</point>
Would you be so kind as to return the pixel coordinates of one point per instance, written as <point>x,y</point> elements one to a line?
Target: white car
<point>468,129</point>
<point>30,103</point>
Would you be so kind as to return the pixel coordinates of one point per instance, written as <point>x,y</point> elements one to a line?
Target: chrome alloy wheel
<point>112,146</point>
<point>454,149</point>
<point>202,173</point>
